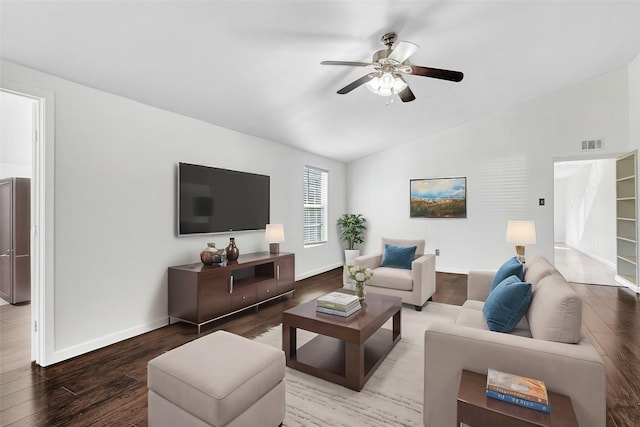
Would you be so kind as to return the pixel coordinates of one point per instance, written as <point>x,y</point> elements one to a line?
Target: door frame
<point>42,220</point>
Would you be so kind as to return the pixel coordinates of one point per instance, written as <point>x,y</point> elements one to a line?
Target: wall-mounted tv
<point>213,200</point>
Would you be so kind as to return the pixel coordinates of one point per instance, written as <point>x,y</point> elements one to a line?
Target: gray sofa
<point>547,344</point>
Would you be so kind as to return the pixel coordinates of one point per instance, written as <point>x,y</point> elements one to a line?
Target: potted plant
<point>353,228</point>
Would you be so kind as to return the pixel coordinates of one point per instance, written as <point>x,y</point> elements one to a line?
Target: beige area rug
<point>392,396</point>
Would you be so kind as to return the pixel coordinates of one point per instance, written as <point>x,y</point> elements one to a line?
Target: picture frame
<point>438,198</point>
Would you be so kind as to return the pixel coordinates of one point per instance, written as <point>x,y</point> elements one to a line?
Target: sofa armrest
<point>423,270</point>
<point>478,284</point>
<point>371,261</point>
<point>575,370</point>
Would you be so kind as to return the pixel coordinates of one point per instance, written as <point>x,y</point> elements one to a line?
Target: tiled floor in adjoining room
<point>578,267</point>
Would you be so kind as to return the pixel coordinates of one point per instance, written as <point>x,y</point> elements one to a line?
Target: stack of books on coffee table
<point>338,303</point>
<point>523,391</point>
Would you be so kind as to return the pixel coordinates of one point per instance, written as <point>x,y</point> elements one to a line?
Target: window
<point>315,205</point>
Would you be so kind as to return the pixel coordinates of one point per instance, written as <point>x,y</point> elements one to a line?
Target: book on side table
<point>338,303</point>
<point>519,390</point>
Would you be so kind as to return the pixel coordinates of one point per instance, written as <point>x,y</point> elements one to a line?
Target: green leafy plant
<point>353,229</point>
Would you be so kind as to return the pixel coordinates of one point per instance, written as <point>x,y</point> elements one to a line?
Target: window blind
<point>315,205</point>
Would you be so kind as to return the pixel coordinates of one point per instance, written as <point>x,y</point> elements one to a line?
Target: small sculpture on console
<point>232,250</point>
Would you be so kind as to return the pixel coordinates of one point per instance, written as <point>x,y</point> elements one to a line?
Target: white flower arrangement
<point>359,273</point>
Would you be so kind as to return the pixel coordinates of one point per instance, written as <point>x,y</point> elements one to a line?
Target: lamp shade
<point>274,233</point>
<point>521,232</point>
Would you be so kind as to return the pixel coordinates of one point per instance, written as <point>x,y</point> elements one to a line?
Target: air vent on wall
<point>592,144</point>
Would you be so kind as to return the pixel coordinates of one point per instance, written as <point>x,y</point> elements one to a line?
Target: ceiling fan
<point>389,65</point>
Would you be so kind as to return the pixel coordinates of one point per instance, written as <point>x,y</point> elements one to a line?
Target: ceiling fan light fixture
<point>386,85</point>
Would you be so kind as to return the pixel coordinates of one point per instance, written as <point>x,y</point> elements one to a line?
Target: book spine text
<point>522,402</point>
<point>517,394</point>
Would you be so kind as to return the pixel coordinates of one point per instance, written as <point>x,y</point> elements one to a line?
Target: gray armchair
<point>414,286</point>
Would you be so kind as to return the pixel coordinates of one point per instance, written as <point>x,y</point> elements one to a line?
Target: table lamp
<point>274,234</point>
<point>521,232</point>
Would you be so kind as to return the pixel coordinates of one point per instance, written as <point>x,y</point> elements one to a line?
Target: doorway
<point>22,154</point>
<point>585,220</point>
<point>18,128</point>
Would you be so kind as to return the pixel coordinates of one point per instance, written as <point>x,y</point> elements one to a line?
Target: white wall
<point>634,103</point>
<point>115,181</point>
<point>587,199</point>
<point>507,158</point>
<point>16,115</point>
<point>559,195</point>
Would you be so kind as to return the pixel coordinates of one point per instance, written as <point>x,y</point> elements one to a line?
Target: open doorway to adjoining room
<point>585,220</point>
<point>26,150</point>
<point>17,135</point>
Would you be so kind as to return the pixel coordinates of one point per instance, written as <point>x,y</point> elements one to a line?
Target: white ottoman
<point>218,380</point>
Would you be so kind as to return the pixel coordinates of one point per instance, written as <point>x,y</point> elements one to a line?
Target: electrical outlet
<point>437,252</point>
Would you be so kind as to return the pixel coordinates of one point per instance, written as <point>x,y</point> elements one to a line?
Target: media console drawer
<point>243,297</point>
<point>266,290</point>
<point>200,294</point>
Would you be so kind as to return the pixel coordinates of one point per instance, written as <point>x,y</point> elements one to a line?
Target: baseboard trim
<point>452,270</point>
<point>317,271</point>
<point>624,282</point>
<point>61,355</point>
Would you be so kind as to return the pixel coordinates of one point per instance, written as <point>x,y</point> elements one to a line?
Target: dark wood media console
<point>200,294</point>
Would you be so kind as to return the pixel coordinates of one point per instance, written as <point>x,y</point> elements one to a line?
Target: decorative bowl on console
<point>210,255</point>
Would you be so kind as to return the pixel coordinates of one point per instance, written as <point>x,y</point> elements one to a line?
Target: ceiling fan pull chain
<point>390,98</point>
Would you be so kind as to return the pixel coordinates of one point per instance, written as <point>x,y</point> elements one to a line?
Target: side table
<point>478,410</point>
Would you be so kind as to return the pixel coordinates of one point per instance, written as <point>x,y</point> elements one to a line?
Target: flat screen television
<point>213,200</point>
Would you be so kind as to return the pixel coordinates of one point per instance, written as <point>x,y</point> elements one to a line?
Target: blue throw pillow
<point>509,268</point>
<point>398,256</point>
<point>506,305</point>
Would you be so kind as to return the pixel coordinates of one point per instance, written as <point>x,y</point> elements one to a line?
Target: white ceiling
<point>254,66</point>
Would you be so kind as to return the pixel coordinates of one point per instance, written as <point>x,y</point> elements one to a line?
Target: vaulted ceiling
<point>254,66</point>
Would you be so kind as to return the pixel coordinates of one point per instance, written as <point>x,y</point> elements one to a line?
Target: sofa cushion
<point>506,304</point>
<point>536,269</point>
<point>510,268</point>
<point>418,243</point>
<point>472,315</point>
<point>392,278</point>
<point>555,313</point>
<point>398,256</point>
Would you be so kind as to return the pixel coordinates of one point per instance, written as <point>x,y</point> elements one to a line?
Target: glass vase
<point>360,291</point>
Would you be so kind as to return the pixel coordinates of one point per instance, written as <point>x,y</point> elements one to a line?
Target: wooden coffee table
<point>347,351</point>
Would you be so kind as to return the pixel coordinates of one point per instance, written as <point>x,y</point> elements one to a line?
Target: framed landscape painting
<point>438,198</point>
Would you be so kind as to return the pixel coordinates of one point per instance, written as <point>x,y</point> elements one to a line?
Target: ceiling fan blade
<point>403,51</point>
<point>351,86</point>
<point>454,76</point>
<point>407,95</point>
<point>350,63</point>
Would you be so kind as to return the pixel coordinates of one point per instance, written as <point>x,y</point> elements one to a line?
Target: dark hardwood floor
<point>108,386</point>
